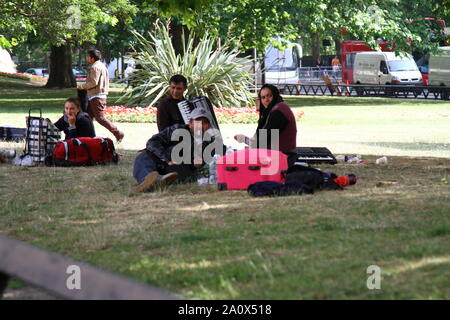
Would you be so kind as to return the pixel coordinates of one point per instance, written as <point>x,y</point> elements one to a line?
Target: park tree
<point>246,23</point>
<point>116,41</point>
<point>182,16</point>
<point>257,22</point>
<point>389,20</point>
<point>62,24</point>
<point>250,23</point>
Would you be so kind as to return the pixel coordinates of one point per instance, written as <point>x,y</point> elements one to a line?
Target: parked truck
<point>439,68</point>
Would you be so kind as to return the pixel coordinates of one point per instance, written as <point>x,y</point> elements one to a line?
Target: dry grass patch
<point>205,243</point>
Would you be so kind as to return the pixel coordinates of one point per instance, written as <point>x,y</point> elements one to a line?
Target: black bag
<point>12,134</point>
<point>299,179</point>
<point>314,178</point>
<point>272,188</point>
<point>83,97</point>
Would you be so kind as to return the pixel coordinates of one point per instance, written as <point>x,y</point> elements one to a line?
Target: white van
<point>385,68</point>
<point>439,72</point>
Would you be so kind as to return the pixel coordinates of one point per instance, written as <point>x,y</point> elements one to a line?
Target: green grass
<point>204,244</point>
<point>377,126</point>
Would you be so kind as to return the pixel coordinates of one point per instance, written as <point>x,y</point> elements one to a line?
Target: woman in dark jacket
<point>274,114</point>
<point>75,123</point>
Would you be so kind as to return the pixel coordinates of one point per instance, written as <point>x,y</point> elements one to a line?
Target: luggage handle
<point>231,168</point>
<point>27,141</point>
<point>254,168</point>
<point>40,112</point>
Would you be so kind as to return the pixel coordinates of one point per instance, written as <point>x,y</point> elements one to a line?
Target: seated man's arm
<point>159,143</point>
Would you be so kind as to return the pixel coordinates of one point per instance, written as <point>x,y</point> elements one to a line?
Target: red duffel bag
<point>83,151</point>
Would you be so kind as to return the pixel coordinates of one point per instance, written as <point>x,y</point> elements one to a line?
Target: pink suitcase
<point>238,170</point>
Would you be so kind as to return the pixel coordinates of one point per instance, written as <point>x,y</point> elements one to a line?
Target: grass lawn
<point>201,243</point>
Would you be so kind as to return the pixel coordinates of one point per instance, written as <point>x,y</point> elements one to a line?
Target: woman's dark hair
<point>96,54</point>
<point>264,112</point>
<point>75,101</point>
<point>178,78</point>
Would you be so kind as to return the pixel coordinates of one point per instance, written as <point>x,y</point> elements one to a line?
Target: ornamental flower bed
<point>148,114</point>
<point>22,76</point>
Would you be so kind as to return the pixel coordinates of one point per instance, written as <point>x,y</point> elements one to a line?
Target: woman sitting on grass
<point>274,114</point>
<point>75,123</point>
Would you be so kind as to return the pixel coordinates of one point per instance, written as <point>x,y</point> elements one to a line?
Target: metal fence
<point>315,74</point>
<point>390,91</point>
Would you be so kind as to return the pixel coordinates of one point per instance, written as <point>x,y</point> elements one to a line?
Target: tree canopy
<point>60,24</point>
<point>246,23</point>
<point>59,21</point>
<point>255,22</point>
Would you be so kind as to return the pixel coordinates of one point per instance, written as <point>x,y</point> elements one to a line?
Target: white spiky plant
<point>212,71</point>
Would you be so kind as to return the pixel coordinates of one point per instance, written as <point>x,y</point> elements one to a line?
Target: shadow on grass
<point>247,248</point>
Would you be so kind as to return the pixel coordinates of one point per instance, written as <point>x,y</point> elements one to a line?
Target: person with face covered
<point>155,166</point>
<point>274,114</point>
<point>75,123</point>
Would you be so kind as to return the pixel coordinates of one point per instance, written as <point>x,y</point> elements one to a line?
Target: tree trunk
<point>80,57</point>
<point>176,32</point>
<point>61,75</point>
<point>263,70</point>
<point>315,42</point>
<point>122,59</point>
<point>337,44</point>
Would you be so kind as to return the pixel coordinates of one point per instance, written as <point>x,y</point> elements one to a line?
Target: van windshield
<point>280,61</point>
<point>402,65</point>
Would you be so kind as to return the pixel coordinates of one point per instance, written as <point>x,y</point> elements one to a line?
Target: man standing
<point>336,64</point>
<point>168,113</point>
<point>97,86</point>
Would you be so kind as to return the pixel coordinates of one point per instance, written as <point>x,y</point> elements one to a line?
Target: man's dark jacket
<point>168,113</point>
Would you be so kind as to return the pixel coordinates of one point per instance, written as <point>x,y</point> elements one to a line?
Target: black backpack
<point>314,178</point>
<point>298,180</point>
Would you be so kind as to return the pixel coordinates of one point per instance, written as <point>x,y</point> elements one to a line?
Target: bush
<point>215,72</point>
